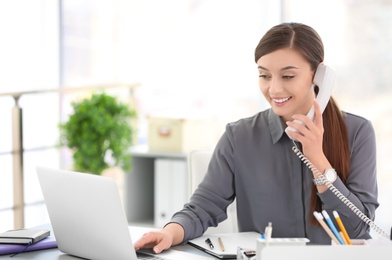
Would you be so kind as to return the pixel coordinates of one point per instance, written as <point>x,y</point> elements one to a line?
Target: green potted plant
<point>99,132</point>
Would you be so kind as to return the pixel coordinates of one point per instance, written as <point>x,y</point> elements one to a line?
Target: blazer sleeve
<point>208,204</point>
<point>361,184</point>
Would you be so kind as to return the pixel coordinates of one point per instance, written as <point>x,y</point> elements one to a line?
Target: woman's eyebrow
<point>289,68</point>
<point>284,68</point>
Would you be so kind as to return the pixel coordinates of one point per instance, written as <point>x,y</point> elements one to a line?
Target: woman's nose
<point>275,86</point>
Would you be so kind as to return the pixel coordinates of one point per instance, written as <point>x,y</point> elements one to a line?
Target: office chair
<point>198,164</point>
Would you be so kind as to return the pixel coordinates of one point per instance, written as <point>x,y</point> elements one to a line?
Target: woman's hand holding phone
<point>310,134</point>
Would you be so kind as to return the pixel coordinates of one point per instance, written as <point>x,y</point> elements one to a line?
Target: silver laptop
<point>88,218</point>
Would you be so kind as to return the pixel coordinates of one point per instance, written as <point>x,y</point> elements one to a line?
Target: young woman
<point>254,162</point>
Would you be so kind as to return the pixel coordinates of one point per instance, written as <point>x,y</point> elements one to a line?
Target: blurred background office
<point>188,55</point>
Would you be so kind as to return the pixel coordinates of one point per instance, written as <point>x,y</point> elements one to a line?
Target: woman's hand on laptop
<point>172,234</point>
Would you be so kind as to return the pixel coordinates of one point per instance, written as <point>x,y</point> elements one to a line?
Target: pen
<point>209,243</point>
<point>343,238</point>
<point>341,226</point>
<point>332,226</point>
<point>268,233</point>
<point>319,218</point>
<point>221,244</point>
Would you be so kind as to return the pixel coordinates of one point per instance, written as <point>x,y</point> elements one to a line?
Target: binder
<point>170,189</point>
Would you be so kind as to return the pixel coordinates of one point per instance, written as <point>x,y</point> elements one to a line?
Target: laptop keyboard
<point>148,257</point>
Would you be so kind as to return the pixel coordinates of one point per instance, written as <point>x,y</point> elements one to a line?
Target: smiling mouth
<point>281,100</point>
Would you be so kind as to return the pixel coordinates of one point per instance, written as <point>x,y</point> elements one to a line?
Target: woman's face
<point>286,82</point>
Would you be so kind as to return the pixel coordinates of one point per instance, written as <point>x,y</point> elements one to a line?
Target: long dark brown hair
<point>306,41</point>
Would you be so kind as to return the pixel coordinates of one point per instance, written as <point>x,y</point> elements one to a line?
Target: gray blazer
<point>254,163</point>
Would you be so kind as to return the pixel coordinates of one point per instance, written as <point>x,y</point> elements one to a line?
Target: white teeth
<point>281,100</point>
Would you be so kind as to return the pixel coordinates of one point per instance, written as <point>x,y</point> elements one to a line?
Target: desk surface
<point>178,252</point>
<point>54,254</point>
<point>375,250</point>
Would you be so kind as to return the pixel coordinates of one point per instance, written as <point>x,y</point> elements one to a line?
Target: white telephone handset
<point>324,79</point>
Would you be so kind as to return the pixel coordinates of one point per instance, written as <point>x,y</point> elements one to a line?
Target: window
<point>189,55</point>
<point>30,61</point>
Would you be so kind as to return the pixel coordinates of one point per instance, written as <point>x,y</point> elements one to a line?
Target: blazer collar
<point>276,125</point>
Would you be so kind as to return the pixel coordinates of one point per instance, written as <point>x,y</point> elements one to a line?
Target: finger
<point>301,128</point>
<point>140,244</point>
<point>306,132</point>
<point>163,245</point>
<point>157,241</point>
<point>318,117</point>
<point>294,135</point>
<point>302,123</point>
<point>165,242</point>
<point>148,240</point>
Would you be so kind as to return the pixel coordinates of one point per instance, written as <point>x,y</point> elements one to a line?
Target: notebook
<point>88,218</point>
<point>23,236</point>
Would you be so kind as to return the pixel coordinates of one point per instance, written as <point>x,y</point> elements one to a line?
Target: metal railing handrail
<point>69,89</point>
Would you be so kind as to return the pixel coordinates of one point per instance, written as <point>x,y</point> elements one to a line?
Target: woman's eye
<point>264,76</point>
<point>287,77</point>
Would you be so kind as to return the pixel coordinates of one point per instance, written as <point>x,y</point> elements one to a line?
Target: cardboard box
<point>179,134</point>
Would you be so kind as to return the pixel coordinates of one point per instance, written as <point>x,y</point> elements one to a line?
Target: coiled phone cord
<point>334,190</point>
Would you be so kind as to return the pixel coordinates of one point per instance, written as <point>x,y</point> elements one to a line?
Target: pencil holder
<point>261,243</point>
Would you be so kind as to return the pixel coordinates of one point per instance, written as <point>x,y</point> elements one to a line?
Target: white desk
<point>55,254</point>
<point>369,252</point>
<point>292,253</point>
<point>327,252</point>
<point>136,232</point>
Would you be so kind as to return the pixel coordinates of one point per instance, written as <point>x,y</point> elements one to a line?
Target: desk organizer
<point>261,243</point>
